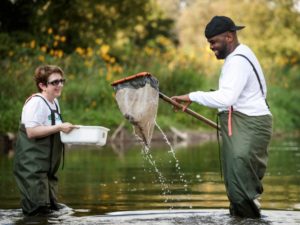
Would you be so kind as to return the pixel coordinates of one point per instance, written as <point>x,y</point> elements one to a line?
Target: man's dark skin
<point>222,45</point>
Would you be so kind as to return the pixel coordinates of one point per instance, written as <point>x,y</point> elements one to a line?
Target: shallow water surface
<point>119,185</point>
<point>162,217</point>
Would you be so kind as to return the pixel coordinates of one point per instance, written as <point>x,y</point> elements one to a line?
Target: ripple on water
<point>162,217</point>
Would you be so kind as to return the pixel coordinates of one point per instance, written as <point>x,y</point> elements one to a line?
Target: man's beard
<point>222,52</point>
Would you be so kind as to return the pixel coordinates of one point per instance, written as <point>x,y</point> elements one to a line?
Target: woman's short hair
<point>42,73</point>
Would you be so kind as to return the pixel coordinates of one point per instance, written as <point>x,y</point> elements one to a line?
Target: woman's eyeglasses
<point>56,82</point>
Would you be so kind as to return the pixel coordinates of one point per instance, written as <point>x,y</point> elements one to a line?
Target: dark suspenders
<point>263,94</point>
<point>52,123</point>
<point>257,76</point>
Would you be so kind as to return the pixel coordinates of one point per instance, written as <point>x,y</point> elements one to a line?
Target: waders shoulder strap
<point>49,105</point>
<point>52,135</point>
<point>257,76</point>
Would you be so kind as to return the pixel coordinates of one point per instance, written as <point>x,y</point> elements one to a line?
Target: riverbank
<point>122,136</point>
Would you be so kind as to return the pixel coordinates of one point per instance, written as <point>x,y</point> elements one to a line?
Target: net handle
<point>132,77</point>
<point>189,111</point>
<point>169,100</point>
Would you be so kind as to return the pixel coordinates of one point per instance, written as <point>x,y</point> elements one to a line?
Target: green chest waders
<point>244,159</point>
<point>36,163</point>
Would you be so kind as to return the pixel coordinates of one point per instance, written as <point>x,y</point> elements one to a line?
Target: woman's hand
<point>67,127</point>
<point>43,131</point>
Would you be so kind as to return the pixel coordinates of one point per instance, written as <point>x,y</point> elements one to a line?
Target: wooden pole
<point>188,111</point>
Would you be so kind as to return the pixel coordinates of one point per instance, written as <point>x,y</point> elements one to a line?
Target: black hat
<point>219,25</point>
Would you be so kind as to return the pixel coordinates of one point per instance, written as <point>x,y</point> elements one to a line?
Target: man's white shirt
<point>238,86</point>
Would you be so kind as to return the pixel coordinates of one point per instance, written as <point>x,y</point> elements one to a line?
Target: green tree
<point>81,22</point>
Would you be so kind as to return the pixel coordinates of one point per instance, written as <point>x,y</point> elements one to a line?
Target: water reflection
<point>98,181</point>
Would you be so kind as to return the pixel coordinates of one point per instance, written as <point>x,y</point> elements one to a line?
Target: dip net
<point>137,97</point>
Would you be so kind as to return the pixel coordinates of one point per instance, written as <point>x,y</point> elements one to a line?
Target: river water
<point>117,184</point>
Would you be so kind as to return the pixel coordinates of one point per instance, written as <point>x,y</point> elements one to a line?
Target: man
<point>245,118</point>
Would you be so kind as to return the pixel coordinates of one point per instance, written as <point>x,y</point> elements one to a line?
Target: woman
<point>39,148</point>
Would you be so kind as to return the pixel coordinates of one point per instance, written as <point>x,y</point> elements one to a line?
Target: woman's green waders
<point>244,160</point>
<point>35,172</point>
<point>36,163</point>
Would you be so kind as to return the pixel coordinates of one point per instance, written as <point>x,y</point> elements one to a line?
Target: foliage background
<point>97,42</point>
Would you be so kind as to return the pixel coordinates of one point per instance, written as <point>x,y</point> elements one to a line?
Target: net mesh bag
<point>137,97</point>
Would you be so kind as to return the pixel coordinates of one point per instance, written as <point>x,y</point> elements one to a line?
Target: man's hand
<point>182,98</point>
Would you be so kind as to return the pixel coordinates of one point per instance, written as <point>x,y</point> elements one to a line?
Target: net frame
<point>144,122</point>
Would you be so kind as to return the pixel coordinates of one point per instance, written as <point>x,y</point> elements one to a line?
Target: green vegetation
<point>97,42</point>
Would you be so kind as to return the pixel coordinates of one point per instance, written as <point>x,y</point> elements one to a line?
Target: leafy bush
<point>88,97</point>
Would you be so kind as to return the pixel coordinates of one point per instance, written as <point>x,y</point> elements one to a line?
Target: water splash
<point>162,179</point>
<point>166,192</point>
<point>177,165</point>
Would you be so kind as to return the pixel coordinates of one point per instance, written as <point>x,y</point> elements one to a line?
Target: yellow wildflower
<point>105,57</point>
<point>89,15</point>
<point>56,37</point>
<point>59,53</point>
<point>32,44</point>
<point>112,60</point>
<point>50,31</point>
<point>63,39</point>
<point>108,76</point>
<point>104,49</point>
<point>41,58</point>
<point>117,69</point>
<point>139,28</point>
<point>148,50</point>
<point>44,48</point>
<point>171,66</point>
<point>88,64</point>
<point>89,52</point>
<point>79,50</point>
<point>98,41</point>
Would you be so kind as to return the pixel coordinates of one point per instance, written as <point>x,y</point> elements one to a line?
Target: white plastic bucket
<point>86,135</point>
